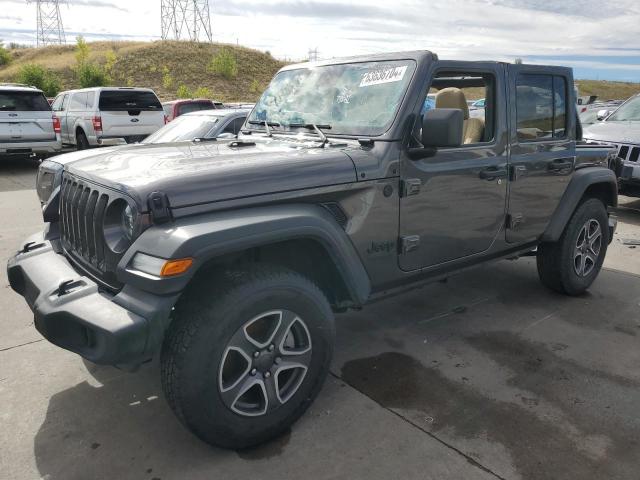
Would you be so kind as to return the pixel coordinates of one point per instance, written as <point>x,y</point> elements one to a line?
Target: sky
<point>598,38</point>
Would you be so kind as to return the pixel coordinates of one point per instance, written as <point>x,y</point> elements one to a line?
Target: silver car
<point>622,128</point>
<point>27,125</point>
<point>191,129</point>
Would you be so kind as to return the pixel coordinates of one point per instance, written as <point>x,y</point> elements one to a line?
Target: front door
<point>542,149</point>
<point>453,203</point>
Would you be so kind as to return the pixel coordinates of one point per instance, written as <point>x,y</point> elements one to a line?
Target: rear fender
<point>599,181</point>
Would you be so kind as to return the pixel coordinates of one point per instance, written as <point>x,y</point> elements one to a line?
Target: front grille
<point>82,211</point>
<point>630,153</point>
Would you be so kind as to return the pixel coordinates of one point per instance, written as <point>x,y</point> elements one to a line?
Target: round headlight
<point>127,222</point>
<point>119,225</point>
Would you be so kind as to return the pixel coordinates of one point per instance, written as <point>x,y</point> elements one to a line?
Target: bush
<point>39,77</point>
<point>5,56</point>
<point>91,75</point>
<point>255,86</point>
<point>203,92</point>
<point>224,64</point>
<point>109,65</point>
<point>184,92</point>
<point>167,79</point>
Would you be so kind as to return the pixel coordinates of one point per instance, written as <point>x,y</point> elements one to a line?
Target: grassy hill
<point>148,64</point>
<point>151,64</point>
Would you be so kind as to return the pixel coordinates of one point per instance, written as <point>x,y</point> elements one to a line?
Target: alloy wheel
<point>264,363</point>
<point>587,248</point>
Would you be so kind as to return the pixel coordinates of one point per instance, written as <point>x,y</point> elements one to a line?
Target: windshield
<point>350,99</point>
<point>184,128</point>
<point>628,112</point>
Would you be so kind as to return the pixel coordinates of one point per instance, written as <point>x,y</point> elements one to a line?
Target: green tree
<point>110,62</point>
<point>5,56</point>
<point>82,51</point>
<point>203,92</point>
<point>184,92</point>
<point>88,74</point>
<point>39,77</point>
<point>224,64</point>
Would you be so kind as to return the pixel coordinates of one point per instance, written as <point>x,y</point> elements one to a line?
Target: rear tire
<point>81,141</point>
<point>240,333</point>
<point>571,264</point>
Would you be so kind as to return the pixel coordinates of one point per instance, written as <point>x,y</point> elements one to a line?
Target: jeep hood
<point>197,173</point>
<point>616,132</point>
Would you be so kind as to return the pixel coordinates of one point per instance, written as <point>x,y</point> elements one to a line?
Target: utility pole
<point>49,23</point>
<point>185,20</point>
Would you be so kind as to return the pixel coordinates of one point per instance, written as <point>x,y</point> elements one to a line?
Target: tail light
<point>56,124</point>
<point>97,123</point>
<point>166,119</point>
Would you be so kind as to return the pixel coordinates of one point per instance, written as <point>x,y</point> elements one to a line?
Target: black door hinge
<point>410,186</point>
<point>409,243</point>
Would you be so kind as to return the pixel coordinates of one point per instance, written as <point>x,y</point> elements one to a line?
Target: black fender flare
<point>582,180</point>
<point>208,236</point>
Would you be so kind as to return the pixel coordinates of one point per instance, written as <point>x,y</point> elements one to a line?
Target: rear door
<point>130,112</point>
<point>25,116</point>
<point>542,147</point>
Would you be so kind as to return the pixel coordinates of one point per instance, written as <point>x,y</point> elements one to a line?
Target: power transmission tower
<point>313,54</point>
<point>185,19</point>
<point>50,29</point>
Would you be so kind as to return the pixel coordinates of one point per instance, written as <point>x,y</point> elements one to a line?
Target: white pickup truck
<point>107,115</point>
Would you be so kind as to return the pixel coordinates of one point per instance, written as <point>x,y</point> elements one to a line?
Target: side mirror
<point>442,127</point>
<point>227,135</point>
<point>602,114</point>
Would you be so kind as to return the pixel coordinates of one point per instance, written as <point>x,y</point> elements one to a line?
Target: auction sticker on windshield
<point>383,75</point>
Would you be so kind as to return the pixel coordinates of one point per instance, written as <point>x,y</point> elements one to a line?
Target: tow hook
<point>65,287</point>
<point>29,246</point>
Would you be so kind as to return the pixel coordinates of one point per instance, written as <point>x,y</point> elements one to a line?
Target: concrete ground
<point>486,376</point>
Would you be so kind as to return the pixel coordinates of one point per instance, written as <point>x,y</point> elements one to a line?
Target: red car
<point>175,108</point>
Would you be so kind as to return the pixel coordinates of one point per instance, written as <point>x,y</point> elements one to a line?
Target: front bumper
<point>629,174</point>
<point>73,312</point>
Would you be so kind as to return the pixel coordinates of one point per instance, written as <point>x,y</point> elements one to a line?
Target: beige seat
<point>452,97</point>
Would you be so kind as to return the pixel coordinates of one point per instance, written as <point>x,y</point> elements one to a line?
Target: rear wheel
<point>81,141</point>
<point>571,264</point>
<point>244,358</point>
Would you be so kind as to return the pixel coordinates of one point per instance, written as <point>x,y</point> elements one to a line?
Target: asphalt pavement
<point>488,375</point>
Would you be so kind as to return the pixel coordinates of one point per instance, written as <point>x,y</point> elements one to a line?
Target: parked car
<point>621,127</point>
<point>103,116</point>
<point>27,125</point>
<point>175,108</point>
<point>199,126</point>
<point>229,259</point>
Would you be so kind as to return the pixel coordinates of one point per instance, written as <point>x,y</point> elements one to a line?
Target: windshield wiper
<point>266,124</point>
<point>313,126</point>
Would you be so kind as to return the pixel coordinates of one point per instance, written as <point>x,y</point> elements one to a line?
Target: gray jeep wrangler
<point>346,184</point>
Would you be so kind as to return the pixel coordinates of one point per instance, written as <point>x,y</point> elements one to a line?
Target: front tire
<point>246,355</point>
<point>571,264</point>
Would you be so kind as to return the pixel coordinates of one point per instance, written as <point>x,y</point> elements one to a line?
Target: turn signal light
<point>176,267</point>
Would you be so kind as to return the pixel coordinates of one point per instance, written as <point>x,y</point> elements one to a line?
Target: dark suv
<point>346,184</point>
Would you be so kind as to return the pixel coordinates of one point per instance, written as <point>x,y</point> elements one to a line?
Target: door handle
<point>493,173</point>
<point>561,164</point>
